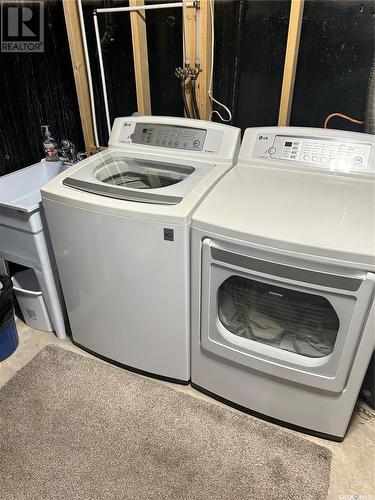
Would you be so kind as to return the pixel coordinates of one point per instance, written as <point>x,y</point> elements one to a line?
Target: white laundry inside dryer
<point>294,321</point>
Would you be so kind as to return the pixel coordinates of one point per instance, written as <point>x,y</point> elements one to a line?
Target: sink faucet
<point>68,152</point>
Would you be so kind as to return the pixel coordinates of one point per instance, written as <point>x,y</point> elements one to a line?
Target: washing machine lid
<point>117,175</point>
<point>305,212</point>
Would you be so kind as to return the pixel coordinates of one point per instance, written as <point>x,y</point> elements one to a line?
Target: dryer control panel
<point>325,152</point>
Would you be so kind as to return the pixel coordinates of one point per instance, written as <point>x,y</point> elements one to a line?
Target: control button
<point>272,150</point>
<point>196,143</point>
<point>170,143</point>
<point>186,145</point>
<point>358,160</point>
<point>331,161</point>
<point>176,144</point>
<point>315,158</point>
<point>306,157</point>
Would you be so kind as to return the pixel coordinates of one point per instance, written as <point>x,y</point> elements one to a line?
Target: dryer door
<point>292,322</point>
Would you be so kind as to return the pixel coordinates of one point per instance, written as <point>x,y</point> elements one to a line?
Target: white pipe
<point>186,61</point>
<point>102,74</point>
<point>197,37</point>
<point>145,7</point>
<point>88,68</point>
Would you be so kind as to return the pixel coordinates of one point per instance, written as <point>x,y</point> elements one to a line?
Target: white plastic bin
<point>30,299</point>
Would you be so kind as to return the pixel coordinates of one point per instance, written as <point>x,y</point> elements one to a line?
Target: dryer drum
<point>295,321</point>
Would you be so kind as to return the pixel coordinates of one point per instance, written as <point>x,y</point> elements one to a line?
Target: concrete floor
<point>353,464</point>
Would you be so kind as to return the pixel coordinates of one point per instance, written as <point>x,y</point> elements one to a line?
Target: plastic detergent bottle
<point>49,144</point>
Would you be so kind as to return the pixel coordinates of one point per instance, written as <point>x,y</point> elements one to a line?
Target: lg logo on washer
<point>263,138</point>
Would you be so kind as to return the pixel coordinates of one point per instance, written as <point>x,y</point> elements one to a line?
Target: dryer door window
<point>291,320</point>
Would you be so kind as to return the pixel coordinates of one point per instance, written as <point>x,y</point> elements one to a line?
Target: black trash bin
<point>8,330</point>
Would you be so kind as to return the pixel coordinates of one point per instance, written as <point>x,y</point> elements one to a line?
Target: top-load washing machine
<point>283,275</point>
<point>120,229</point>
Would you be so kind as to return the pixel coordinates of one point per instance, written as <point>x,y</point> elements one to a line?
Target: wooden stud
<point>80,72</point>
<point>189,16</point>
<point>205,47</point>
<point>291,57</point>
<point>140,55</point>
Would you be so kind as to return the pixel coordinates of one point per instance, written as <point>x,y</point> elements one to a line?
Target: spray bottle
<point>49,144</point>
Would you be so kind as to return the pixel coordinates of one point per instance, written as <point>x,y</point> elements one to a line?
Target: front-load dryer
<point>283,277</point>
<point>120,229</point>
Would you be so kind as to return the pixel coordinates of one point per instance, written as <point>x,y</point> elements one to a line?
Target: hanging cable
<point>213,100</point>
<point>186,106</point>
<point>183,75</point>
<point>340,115</point>
<point>194,100</point>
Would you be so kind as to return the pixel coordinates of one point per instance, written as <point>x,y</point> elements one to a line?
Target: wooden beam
<point>140,55</point>
<point>205,47</point>
<point>190,19</point>
<point>189,16</point>
<point>290,64</point>
<point>80,72</point>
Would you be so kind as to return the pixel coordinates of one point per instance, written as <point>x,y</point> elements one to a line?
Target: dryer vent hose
<point>370,103</point>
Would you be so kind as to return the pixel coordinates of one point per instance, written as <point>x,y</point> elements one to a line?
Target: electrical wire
<point>194,101</point>
<point>213,100</point>
<point>186,106</point>
<point>340,115</point>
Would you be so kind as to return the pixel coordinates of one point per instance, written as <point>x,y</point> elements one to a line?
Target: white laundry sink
<point>21,190</point>
<point>23,233</point>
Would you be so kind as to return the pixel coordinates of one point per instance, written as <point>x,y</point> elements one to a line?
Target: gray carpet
<point>76,428</point>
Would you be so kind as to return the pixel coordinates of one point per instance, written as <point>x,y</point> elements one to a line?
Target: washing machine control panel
<point>331,153</point>
<point>171,136</point>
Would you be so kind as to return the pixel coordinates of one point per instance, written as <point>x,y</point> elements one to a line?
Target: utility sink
<point>21,190</point>
<point>24,235</point>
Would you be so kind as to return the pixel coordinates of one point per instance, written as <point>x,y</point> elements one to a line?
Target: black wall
<point>336,53</point>
<point>250,40</point>
<point>37,88</point>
